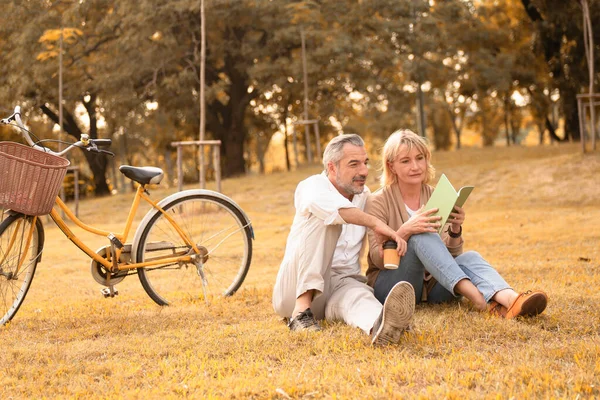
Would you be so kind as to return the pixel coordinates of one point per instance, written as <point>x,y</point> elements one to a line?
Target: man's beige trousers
<point>339,295</point>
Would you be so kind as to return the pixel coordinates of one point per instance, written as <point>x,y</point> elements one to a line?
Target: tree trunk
<point>232,146</point>
<point>96,162</point>
<point>458,144</point>
<point>287,152</point>
<point>551,38</point>
<point>570,113</point>
<point>285,138</point>
<point>441,124</point>
<point>261,164</point>
<point>421,110</point>
<point>515,123</point>
<point>552,131</point>
<point>456,126</point>
<point>261,150</point>
<point>232,151</point>
<point>170,167</point>
<point>227,120</point>
<point>542,129</point>
<point>514,131</point>
<point>506,126</point>
<point>114,176</point>
<point>488,140</point>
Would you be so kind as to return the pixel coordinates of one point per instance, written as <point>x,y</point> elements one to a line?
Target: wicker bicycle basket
<point>30,179</point>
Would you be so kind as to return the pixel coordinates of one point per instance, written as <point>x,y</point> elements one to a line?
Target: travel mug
<point>391,258</point>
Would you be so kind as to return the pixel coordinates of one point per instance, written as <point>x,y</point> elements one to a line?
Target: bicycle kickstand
<point>200,271</point>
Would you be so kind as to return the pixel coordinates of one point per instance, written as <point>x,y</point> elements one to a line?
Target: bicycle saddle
<point>142,175</point>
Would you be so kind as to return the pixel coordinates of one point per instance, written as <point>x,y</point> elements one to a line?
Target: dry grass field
<point>535,215</point>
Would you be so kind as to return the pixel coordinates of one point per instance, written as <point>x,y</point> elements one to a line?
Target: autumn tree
<point>31,64</point>
<point>559,40</point>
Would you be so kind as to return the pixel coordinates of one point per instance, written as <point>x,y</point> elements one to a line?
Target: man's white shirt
<point>317,196</point>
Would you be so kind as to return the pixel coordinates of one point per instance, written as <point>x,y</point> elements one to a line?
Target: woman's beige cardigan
<point>387,205</point>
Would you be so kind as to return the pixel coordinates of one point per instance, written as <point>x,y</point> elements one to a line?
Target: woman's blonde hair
<point>391,151</point>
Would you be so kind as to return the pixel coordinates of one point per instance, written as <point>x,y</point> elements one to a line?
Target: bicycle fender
<point>175,196</point>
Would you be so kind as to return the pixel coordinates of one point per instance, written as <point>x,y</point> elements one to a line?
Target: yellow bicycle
<point>187,242</point>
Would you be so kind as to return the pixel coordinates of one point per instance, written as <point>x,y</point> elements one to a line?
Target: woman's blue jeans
<point>427,251</point>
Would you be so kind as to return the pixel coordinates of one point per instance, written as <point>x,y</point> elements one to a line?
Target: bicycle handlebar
<point>84,143</point>
<point>100,151</point>
<point>102,142</point>
<point>7,120</point>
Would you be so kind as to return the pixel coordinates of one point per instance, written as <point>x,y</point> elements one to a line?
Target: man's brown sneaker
<point>396,315</point>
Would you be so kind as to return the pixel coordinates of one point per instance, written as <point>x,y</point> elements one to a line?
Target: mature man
<point>320,275</point>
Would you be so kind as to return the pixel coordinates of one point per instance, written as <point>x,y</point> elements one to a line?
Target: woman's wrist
<point>404,233</point>
<point>454,234</point>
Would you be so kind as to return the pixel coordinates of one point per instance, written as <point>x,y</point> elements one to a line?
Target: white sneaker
<point>396,315</point>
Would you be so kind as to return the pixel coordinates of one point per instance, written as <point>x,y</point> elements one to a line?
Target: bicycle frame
<point>122,237</point>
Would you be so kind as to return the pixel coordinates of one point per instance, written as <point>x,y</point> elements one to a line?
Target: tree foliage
<point>30,69</point>
<point>131,69</point>
<point>559,40</point>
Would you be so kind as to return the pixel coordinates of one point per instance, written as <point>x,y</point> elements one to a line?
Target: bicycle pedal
<point>109,291</point>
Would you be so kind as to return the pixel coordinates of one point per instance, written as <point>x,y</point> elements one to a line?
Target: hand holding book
<point>423,221</point>
<point>445,198</point>
<point>456,219</point>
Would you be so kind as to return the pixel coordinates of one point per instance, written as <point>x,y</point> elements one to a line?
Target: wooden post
<point>115,178</point>
<point>593,127</point>
<point>593,124</point>
<point>76,188</point>
<point>421,122</point>
<point>125,186</point>
<point>179,172</point>
<point>589,50</point>
<point>285,143</point>
<point>584,116</point>
<point>307,139</point>
<point>592,120</point>
<point>201,95</point>
<point>217,165</point>
<point>60,101</point>
<point>295,146</point>
<point>306,127</point>
<point>581,122</point>
<point>318,140</point>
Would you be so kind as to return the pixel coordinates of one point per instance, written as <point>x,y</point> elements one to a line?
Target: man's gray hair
<point>333,152</point>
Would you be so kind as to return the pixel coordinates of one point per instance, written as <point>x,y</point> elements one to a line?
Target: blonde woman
<point>434,264</point>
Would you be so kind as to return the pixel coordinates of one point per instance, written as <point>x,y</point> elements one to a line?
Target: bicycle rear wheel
<point>220,232</point>
<point>21,244</point>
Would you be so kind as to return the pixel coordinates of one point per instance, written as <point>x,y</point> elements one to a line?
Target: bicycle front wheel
<point>220,232</point>
<point>21,244</point>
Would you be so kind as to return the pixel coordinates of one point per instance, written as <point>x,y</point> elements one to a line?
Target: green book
<point>445,197</point>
